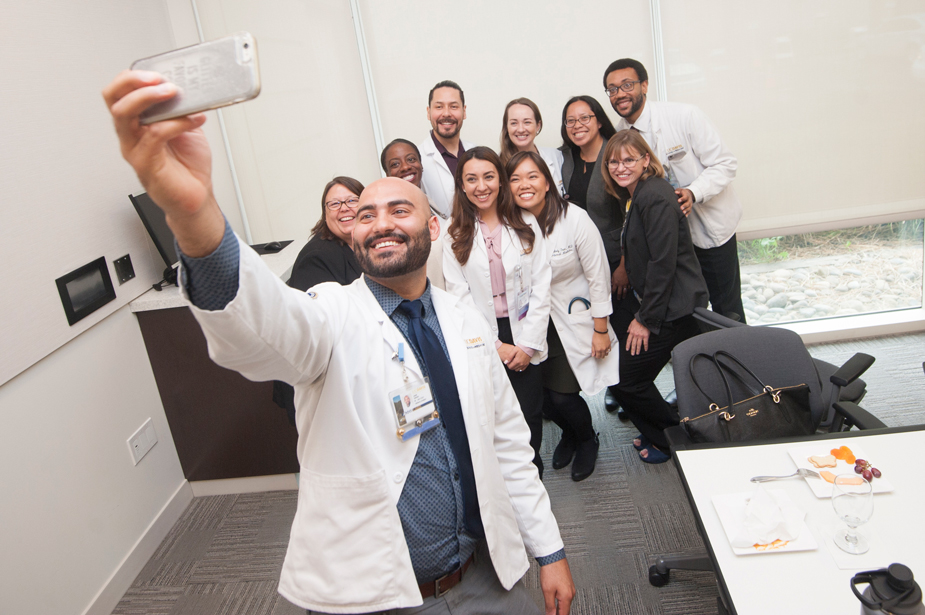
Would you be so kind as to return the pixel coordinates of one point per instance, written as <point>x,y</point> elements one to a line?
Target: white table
<point>808,581</point>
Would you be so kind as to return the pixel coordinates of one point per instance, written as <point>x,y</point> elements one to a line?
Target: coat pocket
<point>346,528</point>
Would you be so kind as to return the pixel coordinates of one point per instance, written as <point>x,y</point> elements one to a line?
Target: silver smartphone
<point>208,75</point>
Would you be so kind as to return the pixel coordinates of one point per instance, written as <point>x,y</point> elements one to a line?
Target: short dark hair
<point>446,84</point>
<point>607,129</point>
<point>636,65</point>
<point>389,146</point>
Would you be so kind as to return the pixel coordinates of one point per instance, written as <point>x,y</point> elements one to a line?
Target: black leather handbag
<point>768,413</point>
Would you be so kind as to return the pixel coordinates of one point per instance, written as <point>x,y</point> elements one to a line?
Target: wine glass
<point>853,501</point>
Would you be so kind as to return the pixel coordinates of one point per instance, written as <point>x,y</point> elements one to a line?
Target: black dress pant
<point>720,268</point>
<point>636,392</point>
<point>528,386</point>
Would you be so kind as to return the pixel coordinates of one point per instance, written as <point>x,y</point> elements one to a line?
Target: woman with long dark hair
<point>665,275</point>
<point>495,260</point>
<point>579,337</point>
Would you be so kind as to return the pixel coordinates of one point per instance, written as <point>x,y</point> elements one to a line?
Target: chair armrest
<point>858,416</point>
<point>852,369</point>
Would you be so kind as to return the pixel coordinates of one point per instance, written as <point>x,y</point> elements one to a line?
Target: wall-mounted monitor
<point>155,223</point>
<point>85,290</point>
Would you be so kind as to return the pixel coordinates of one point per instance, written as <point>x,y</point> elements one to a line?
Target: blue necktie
<point>443,385</point>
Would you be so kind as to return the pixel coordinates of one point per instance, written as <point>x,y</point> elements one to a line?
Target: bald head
<point>393,231</point>
<point>389,188</point>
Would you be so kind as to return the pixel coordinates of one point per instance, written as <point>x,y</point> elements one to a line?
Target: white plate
<point>730,508</point>
<point>823,488</point>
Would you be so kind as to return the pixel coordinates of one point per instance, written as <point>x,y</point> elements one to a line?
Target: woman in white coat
<point>521,124</point>
<point>580,339</point>
<point>495,259</point>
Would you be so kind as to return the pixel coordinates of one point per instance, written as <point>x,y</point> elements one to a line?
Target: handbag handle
<point>723,369</point>
<point>690,369</point>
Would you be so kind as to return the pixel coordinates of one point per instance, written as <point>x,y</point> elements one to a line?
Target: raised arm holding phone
<point>358,543</point>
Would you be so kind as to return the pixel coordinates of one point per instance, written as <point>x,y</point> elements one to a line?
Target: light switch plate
<point>141,441</point>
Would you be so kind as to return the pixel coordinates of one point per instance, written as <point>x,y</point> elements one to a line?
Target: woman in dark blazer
<point>585,129</point>
<point>327,257</point>
<point>666,282</point>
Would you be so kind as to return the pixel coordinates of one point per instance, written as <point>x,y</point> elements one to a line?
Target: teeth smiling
<point>409,177</point>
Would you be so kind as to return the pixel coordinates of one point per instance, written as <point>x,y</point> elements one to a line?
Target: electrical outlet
<point>141,441</point>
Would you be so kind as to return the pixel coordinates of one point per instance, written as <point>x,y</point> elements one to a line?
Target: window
<point>832,273</point>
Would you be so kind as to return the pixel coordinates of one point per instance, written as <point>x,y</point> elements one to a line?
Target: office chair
<point>779,358</point>
<point>832,376</point>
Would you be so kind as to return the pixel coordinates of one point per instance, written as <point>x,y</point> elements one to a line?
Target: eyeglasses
<point>583,119</point>
<point>629,163</point>
<point>352,202</point>
<point>626,86</point>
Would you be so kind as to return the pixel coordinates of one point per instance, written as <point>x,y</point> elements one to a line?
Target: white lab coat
<point>553,158</point>
<point>685,140</point>
<point>435,260</point>
<point>580,269</point>
<point>472,283</point>
<point>436,180</point>
<point>335,345</point>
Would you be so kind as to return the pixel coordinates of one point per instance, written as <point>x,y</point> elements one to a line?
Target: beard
<point>448,131</point>
<point>417,250</point>
<point>637,104</point>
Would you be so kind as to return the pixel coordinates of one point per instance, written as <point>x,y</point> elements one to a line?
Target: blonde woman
<point>521,124</point>
<point>666,284</point>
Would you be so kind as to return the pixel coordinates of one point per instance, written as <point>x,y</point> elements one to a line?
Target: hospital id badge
<point>523,293</point>
<point>415,410</point>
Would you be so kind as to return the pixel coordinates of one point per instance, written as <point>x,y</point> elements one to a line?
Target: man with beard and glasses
<point>700,168</point>
<point>434,509</point>
<point>440,152</point>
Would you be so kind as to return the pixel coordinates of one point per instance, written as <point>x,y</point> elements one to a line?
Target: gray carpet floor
<point>224,555</point>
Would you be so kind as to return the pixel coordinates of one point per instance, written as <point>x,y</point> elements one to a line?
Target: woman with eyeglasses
<point>327,257</point>
<point>585,130</point>
<point>495,260</point>
<point>579,337</point>
<point>667,285</point>
<point>520,126</point>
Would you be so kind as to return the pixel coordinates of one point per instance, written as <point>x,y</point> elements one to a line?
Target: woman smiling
<point>495,259</point>
<point>667,285</point>
<point>521,125</point>
<point>579,337</point>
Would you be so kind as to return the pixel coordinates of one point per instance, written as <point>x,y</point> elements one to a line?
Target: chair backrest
<point>711,321</point>
<point>777,356</point>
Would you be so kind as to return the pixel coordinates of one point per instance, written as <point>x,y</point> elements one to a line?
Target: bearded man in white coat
<point>440,151</point>
<point>383,524</point>
<point>700,168</point>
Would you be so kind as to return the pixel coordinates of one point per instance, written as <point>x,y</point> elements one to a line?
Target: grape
<point>858,469</point>
<point>867,475</point>
<point>860,462</point>
<point>875,472</point>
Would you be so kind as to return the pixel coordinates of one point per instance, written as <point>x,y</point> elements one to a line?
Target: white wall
<point>73,505</point>
<point>820,100</point>
<point>496,51</point>
<point>310,122</point>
